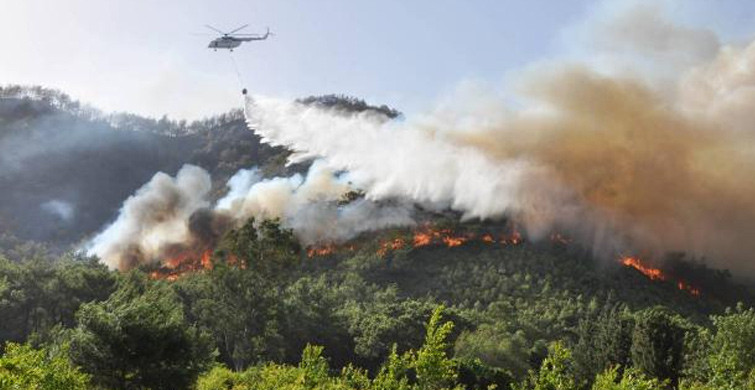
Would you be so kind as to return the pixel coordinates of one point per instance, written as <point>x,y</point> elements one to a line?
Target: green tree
<point>495,347</point>
<point>428,368</point>
<point>265,247</point>
<point>312,313</point>
<point>22,367</point>
<point>380,321</point>
<point>473,374</point>
<point>603,341</point>
<point>433,367</point>
<point>556,372</point>
<point>614,379</point>
<point>138,338</point>
<point>393,373</point>
<point>241,310</point>
<point>36,295</point>
<point>732,352</point>
<point>657,344</point>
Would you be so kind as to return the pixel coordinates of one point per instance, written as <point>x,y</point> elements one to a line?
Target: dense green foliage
<point>23,367</point>
<point>38,294</point>
<point>428,368</point>
<point>524,317</point>
<point>268,317</point>
<point>139,338</point>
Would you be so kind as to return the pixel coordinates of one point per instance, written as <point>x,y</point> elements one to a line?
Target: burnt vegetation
<point>265,315</point>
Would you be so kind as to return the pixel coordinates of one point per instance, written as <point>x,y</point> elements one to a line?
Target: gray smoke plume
<point>605,157</point>
<point>309,205</point>
<point>168,215</point>
<point>154,219</point>
<point>623,158</point>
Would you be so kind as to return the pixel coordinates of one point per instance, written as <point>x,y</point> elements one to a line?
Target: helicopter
<point>231,40</point>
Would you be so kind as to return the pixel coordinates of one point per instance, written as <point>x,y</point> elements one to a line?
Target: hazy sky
<point>141,56</point>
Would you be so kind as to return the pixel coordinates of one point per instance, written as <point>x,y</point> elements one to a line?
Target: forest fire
<point>636,263</point>
<point>324,250</point>
<point>392,245</point>
<point>446,237</point>
<point>657,274</point>
<point>183,262</point>
<point>454,241</point>
<point>424,236</point>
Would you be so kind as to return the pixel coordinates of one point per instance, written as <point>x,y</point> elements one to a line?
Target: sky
<point>145,56</point>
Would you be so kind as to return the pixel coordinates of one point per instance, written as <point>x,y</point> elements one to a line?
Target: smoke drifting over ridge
<point>168,216</point>
<point>622,162</point>
<point>608,159</point>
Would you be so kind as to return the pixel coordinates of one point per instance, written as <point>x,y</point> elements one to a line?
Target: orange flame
<point>422,239</point>
<point>454,241</point>
<point>652,273</point>
<point>183,262</point>
<point>395,244</point>
<point>207,259</point>
<point>658,274</point>
<point>328,249</point>
<point>515,238</point>
<point>321,250</point>
<point>424,236</point>
<point>431,236</point>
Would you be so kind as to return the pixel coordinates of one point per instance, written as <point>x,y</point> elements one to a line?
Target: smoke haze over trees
<point>529,315</point>
<point>594,234</point>
<point>66,168</point>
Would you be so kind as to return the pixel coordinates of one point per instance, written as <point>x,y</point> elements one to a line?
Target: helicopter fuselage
<point>226,43</point>
<point>231,40</point>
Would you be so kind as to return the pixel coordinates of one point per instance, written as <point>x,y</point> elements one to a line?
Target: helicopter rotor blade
<point>238,29</point>
<point>267,33</point>
<point>214,29</point>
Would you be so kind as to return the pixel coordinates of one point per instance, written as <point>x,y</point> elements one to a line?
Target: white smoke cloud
<point>158,218</point>
<point>393,159</point>
<point>309,205</point>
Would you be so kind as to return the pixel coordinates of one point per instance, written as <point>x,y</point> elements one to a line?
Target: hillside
<point>260,311</point>
<point>264,300</point>
<point>66,168</point>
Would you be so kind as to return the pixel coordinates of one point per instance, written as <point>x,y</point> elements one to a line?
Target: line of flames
<point>192,260</point>
<point>425,236</point>
<point>189,260</point>
<point>447,237</point>
<point>658,274</point>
